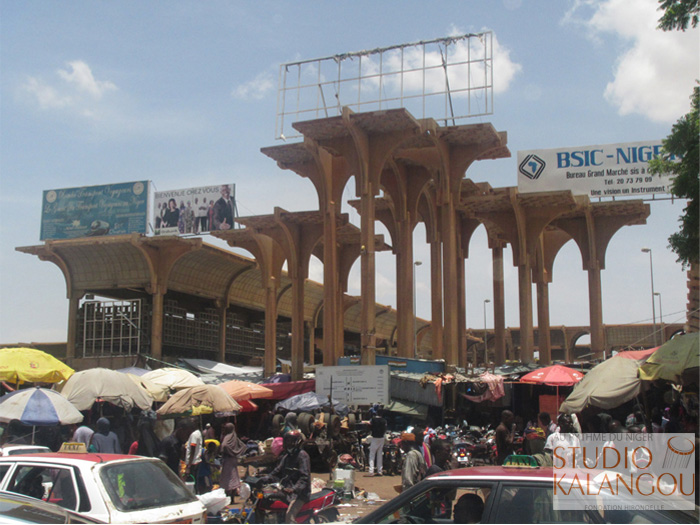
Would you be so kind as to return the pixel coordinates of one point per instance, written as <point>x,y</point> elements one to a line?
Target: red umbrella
<point>556,375</point>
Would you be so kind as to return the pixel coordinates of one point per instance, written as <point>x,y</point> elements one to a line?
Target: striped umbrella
<point>38,407</point>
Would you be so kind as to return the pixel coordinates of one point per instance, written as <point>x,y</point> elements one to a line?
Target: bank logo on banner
<point>532,167</point>
<point>621,473</point>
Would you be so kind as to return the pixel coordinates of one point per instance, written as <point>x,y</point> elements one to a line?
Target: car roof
<point>500,472</point>
<point>63,457</point>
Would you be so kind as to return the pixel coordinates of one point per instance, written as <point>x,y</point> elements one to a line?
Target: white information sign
<point>611,170</point>
<point>354,385</point>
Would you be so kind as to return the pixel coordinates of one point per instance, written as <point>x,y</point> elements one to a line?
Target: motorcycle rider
<point>294,473</point>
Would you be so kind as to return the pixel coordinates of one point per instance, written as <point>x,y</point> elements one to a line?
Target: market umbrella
<point>173,378</point>
<point>38,407</point>
<point>555,375</point>
<point>609,384</point>
<point>198,400</point>
<point>159,393</point>
<point>672,359</point>
<point>244,390</point>
<point>310,401</point>
<point>19,365</point>
<point>85,387</point>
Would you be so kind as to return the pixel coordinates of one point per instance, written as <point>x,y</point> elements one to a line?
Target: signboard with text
<point>111,209</point>
<point>354,385</point>
<point>192,211</point>
<point>611,170</point>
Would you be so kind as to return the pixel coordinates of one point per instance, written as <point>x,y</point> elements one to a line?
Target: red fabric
<point>556,375</point>
<point>247,406</point>
<point>292,388</point>
<point>637,354</point>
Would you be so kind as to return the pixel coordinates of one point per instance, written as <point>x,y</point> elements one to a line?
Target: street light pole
<point>486,351</point>
<point>415,332</point>
<point>653,305</point>
<point>661,316</point>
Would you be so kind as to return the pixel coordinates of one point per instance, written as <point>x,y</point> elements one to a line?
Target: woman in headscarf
<point>104,440</point>
<point>148,442</point>
<point>231,449</point>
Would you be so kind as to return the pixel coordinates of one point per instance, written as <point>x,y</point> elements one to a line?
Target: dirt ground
<point>370,493</point>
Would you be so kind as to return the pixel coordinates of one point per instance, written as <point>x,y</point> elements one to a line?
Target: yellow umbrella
<point>19,365</point>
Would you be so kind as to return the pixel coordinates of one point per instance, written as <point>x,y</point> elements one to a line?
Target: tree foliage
<point>682,144</point>
<point>678,14</point>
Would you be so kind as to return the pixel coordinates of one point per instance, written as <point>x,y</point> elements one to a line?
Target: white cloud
<point>256,89</point>
<point>46,96</point>
<point>655,74</point>
<point>75,89</point>
<point>82,78</point>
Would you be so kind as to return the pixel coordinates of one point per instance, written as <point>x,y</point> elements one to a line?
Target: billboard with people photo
<point>194,211</point>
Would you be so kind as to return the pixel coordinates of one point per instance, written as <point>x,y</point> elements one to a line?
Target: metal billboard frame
<point>447,79</point>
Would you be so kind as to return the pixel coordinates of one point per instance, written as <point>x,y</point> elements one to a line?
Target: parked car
<point>11,450</point>
<point>112,488</point>
<point>506,495</point>
<point>15,508</point>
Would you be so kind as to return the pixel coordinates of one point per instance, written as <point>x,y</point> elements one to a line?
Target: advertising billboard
<point>197,210</point>
<point>354,385</point>
<point>611,170</point>
<point>111,209</point>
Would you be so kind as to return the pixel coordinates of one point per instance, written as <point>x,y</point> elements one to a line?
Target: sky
<point>184,93</point>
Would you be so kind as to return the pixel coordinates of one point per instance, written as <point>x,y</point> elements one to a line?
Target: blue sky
<point>183,93</point>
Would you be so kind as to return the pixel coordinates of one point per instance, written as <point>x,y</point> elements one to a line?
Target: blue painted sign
<point>112,209</point>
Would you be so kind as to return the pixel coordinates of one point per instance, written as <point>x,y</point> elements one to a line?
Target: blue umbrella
<point>38,407</point>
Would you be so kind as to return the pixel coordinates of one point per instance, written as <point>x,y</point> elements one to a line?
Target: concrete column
<point>270,362</point>
<point>404,291</point>
<point>223,319</point>
<point>73,304</point>
<point>451,294</point>
<point>157,325</point>
<point>499,309</point>
<point>436,298</point>
<point>311,332</point>
<point>331,288</point>
<point>368,291</point>
<point>297,328</point>
<point>595,307</point>
<point>461,313</point>
<point>543,338</point>
<point>525,300</point>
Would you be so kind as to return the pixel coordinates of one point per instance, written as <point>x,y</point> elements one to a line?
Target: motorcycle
<point>269,504</point>
<point>461,454</point>
<point>391,458</point>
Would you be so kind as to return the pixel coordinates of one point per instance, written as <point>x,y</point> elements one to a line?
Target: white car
<point>11,450</point>
<point>111,488</point>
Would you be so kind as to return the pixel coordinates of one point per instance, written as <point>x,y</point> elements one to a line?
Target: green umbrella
<point>675,360</point>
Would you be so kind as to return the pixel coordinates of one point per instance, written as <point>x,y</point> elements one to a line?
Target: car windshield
<point>136,485</point>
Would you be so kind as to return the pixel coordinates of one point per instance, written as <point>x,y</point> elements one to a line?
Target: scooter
<point>269,504</point>
<point>461,454</point>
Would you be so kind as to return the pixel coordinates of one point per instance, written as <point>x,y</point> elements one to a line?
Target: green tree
<point>678,13</point>
<point>682,144</point>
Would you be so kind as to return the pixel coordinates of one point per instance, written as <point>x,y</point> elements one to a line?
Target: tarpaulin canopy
<point>173,378</point>
<point>292,388</point>
<point>673,360</point>
<point>408,408</point>
<point>85,387</point>
<point>197,400</point>
<point>309,402</point>
<point>609,384</point>
<point>243,390</point>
